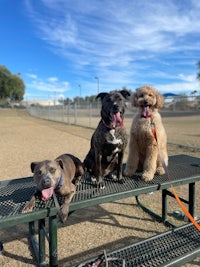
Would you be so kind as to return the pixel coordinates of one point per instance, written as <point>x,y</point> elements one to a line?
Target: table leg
<point>53,226</point>
<point>192,199</point>
<point>35,245</point>
<point>41,233</point>
<point>164,204</point>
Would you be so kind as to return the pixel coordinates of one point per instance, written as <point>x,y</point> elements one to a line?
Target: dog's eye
<point>150,95</point>
<point>117,97</point>
<point>39,172</point>
<point>52,170</point>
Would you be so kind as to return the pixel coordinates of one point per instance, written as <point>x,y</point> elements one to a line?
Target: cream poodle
<point>148,140</point>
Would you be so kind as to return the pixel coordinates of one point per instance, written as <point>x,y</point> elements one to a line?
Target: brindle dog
<point>109,140</point>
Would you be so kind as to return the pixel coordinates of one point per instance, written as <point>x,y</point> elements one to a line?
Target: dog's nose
<point>145,102</point>
<point>46,182</point>
<point>115,107</point>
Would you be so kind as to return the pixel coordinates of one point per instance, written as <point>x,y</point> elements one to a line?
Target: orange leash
<point>184,209</point>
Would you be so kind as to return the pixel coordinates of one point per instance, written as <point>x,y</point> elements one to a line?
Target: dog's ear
<point>60,162</point>
<point>125,93</point>
<point>134,99</point>
<point>33,164</point>
<point>101,95</point>
<point>159,101</point>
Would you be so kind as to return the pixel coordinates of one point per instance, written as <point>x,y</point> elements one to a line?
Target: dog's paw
<point>121,180</point>
<point>77,181</point>
<point>62,218</point>
<point>113,176</point>
<point>100,186</point>
<point>27,209</point>
<point>63,213</point>
<point>147,176</point>
<point>160,170</point>
<point>93,179</point>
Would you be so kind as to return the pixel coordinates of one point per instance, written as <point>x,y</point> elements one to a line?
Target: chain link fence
<point>88,114</point>
<point>85,114</point>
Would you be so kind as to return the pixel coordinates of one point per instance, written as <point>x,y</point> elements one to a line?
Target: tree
<point>181,102</point>
<point>11,85</point>
<point>67,101</point>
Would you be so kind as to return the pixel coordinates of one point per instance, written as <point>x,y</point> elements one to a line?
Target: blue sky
<point>60,46</point>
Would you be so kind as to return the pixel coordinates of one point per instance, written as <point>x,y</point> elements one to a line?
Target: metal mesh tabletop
<point>14,194</point>
<point>182,170</point>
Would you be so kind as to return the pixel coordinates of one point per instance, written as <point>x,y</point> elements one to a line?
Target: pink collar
<point>113,126</point>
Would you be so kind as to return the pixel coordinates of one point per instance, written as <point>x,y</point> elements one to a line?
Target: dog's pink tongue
<point>117,119</point>
<point>47,193</point>
<point>146,111</point>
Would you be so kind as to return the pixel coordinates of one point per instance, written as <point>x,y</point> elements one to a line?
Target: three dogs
<point>147,144</point>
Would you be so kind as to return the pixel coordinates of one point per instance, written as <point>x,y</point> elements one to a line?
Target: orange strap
<point>184,209</point>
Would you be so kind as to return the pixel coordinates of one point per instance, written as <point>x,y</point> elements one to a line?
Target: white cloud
<point>100,31</point>
<point>49,85</point>
<point>33,76</point>
<point>184,87</point>
<point>52,79</point>
<point>187,78</point>
<point>125,43</point>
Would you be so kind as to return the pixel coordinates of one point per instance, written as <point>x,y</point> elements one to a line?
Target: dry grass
<point>89,231</point>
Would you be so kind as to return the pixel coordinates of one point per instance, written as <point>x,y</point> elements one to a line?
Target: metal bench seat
<point>172,248</point>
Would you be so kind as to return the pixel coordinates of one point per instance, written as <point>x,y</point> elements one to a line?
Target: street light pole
<point>80,94</point>
<point>80,89</point>
<point>97,78</point>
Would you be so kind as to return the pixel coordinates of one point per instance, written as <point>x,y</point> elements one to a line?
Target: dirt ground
<point>89,231</point>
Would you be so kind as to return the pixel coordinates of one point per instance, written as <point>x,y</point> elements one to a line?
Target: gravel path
<point>108,226</point>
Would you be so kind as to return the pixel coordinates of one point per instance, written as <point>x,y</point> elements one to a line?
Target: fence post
<point>68,107</point>
<point>75,113</point>
<point>90,114</point>
<point>63,111</point>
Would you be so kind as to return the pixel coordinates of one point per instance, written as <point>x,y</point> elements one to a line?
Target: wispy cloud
<point>53,79</point>
<point>51,85</point>
<point>187,78</point>
<point>32,76</point>
<point>182,87</point>
<point>120,40</point>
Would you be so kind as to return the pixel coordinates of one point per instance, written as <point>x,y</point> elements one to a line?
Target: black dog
<point>109,140</point>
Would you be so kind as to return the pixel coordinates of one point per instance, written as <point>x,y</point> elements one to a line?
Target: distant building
<point>41,103</point>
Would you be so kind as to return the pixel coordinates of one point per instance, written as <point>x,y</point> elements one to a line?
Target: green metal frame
<point>165,193</point>
<point>39,246</point>
<point>37,219</point>
<point>53,224</point>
